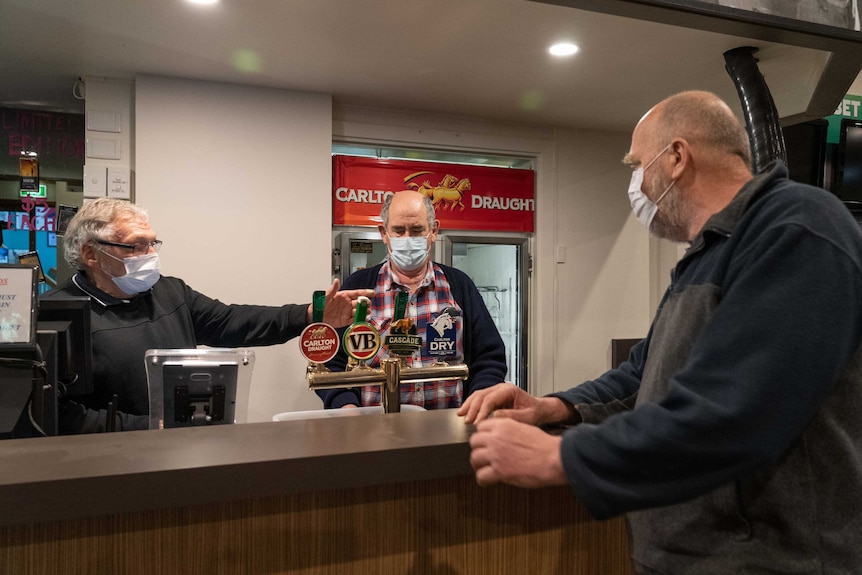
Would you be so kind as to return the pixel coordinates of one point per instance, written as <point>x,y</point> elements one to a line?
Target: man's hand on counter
<point>506,451</point>
<point>509,401</point>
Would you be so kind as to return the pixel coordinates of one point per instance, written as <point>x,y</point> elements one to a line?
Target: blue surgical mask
<point>408,253</point>
<point>142,273</point>
<point>643,207</point>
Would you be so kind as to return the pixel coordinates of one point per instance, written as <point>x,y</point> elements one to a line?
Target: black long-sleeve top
<point>169,316</point>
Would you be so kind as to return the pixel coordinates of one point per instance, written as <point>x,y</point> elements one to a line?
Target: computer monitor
<point>20,356</point>
<point>848,175</point>
<point>18,289</point>
<point>69,316</point>
<point>805,144</point>
<point>199,393</point>
<point>198,387</point>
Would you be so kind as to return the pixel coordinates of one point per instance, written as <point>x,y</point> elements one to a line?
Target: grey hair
<point>426,201</point>
<point>97,221</point>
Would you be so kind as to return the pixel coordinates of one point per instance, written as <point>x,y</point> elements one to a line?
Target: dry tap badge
<point>442,334</point>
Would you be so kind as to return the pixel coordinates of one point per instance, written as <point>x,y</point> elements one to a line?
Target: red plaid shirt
<point>425,304</point>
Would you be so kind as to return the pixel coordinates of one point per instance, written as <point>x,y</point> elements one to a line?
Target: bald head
<point>694,157</point>
<point>703,119</point>
<point>408,201</point>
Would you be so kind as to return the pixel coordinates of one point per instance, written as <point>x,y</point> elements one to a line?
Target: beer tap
<point>318,342</point>
<point>362,341</point>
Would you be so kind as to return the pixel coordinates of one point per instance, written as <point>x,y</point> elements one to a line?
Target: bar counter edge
<point>61,478</point>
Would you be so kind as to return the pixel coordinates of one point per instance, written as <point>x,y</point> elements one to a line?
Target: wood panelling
<point>441,527</point>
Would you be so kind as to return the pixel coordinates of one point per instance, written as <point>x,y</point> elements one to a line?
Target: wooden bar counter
<point>387,494</point>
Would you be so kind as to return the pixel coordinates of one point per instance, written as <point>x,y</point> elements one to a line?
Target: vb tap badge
<point>318,342</point>
<point>442,334</point>
<point>361,340</point>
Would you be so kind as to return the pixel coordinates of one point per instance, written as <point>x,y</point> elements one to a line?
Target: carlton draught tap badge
<point>361,340</point>
<point>319,341</point>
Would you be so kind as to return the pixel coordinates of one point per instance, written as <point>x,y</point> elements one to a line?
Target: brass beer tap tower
<point>361,342</point>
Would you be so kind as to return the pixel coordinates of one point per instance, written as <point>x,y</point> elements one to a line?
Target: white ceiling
<point>478,58</point>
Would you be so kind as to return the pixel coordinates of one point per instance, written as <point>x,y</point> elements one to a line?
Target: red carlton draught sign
<point>465,197</point>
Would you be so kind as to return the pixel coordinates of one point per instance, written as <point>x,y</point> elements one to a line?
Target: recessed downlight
<point>563,49</point>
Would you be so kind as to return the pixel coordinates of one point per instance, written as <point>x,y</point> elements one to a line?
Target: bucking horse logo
<point>446,195</point>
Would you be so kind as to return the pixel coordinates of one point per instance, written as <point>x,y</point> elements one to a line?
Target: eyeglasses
<point>137,249</point>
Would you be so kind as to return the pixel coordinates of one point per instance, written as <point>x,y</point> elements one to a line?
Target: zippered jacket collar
<point>724,222</point>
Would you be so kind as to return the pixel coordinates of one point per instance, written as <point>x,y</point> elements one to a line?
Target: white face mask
<point>142,273</point>
<point>408,253</point>
<point>643,207</point>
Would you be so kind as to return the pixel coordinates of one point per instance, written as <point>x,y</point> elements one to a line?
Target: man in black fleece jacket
<point>731,437</point>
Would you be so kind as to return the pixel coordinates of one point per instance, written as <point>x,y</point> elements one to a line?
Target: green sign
<point>42,193</point>
<point>849,107</point>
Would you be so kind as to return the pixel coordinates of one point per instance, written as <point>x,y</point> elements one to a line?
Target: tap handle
<point>318,300</point>
<point>361,309</point>
<point>400,305</point>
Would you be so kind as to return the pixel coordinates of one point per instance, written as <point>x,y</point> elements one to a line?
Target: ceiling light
<point>203,1</point>
<point>563,49</point>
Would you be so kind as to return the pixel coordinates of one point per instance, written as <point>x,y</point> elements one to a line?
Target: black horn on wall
<point>761,117</point>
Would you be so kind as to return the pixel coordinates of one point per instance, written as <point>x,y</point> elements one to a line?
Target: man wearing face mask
<point>730,438</point>
<point>135,308</point>
<point>409,230</point>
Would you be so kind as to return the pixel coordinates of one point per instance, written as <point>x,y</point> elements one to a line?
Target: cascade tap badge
<point>318,342</point>
<point>402,339</point>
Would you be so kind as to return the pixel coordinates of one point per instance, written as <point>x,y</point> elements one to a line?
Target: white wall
<point>603,288</point>
<point>237,182</point>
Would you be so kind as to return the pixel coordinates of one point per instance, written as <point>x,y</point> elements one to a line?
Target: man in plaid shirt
<point>444,305</point>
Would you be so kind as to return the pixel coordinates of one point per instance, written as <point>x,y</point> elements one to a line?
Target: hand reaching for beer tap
<point>340,306</point>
